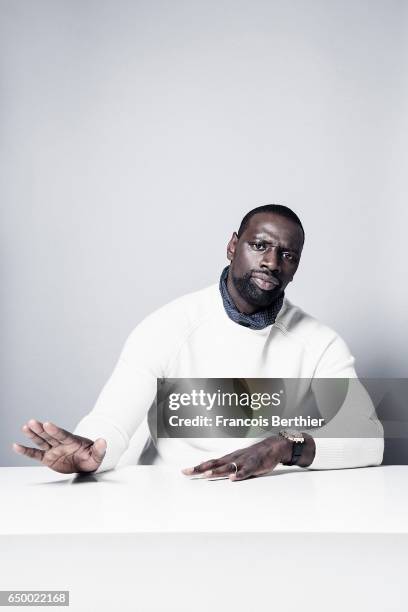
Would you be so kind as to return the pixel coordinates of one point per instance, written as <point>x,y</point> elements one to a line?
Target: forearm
<point>119,411</point>
<point>342,453</point>
<point>354,437</point>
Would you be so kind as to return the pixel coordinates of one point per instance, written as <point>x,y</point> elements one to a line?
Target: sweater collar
<point>257,320</point>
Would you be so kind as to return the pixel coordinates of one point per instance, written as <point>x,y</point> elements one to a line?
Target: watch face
<point>293,435</point>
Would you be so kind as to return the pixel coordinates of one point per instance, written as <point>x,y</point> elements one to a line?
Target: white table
<point>146,538</point>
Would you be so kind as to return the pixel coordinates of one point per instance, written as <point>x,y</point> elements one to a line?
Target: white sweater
<point>193,337</point>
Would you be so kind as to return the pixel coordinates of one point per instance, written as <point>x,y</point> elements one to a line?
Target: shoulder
<point>321,344</point>
<point>179,316</point>
<point>303,328</point>
<point>190,307</point>
<point>153,342</point>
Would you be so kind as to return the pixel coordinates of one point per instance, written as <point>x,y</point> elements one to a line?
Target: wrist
<point>297,448</point>
<point>308,452</point>
<point>285,450</point>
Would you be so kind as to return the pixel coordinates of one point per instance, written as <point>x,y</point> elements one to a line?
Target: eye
<point>258,246</point>
<point>288,256</point>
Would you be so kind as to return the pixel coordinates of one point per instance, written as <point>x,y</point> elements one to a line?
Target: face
<point>263,260</point>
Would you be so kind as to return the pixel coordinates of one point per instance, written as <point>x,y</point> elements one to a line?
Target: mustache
<point>266,274</point>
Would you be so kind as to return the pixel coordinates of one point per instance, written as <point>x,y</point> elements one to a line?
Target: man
<point>242,327</point>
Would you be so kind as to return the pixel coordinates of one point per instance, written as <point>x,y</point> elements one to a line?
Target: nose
<point>271,259</point>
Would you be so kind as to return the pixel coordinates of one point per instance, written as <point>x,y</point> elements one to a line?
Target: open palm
<point>61,450</point>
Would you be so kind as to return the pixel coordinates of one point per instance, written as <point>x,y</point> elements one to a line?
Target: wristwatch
<point>298,443</point>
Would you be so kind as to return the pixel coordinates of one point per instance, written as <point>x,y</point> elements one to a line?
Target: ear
<point>232,246</point>
<point>295,269</point>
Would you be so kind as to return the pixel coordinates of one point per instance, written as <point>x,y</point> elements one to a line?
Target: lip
<point>264,281</point>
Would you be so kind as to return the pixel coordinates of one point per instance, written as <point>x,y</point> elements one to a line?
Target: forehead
<point>270,226</point>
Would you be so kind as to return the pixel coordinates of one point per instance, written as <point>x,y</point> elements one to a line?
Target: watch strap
<point>297,446</point>
<point>296,452</point>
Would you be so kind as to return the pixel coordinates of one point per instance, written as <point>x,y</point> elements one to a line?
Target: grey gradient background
<point>135,136</point>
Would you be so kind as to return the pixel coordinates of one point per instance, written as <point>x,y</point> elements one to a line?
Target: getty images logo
<point>210,400</point>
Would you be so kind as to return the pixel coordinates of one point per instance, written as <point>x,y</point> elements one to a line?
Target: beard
<point>254,295</point>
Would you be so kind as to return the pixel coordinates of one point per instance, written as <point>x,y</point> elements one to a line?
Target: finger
<point>38,428</point>
<point>33,453</point>
<point>203,467</point>
<point>35,438</point>
<point>246,469</point>
<point>252,468</point>
<point>98,450</point>
<point>212,463</point>
<point>224,470</point>
<point>244,472</point>
<point>57,433</point>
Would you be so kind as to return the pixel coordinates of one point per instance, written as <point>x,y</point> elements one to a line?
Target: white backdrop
<point>134,137</point>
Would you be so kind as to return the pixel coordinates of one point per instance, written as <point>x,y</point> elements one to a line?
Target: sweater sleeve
<point>354,437</point>
<point>131,389</point>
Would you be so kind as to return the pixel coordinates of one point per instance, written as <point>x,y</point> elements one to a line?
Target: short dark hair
<point>276,209</point>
